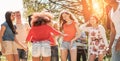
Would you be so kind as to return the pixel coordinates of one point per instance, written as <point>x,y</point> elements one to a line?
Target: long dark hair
<point>9,21</point>
<point>29,19</point>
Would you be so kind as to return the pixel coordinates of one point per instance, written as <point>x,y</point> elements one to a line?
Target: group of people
<point>13,37</point>
<point>44,34</point>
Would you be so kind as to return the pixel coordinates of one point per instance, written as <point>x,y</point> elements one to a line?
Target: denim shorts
<point>68,46</point>
<point>41,48</point>
<point>115,54</point>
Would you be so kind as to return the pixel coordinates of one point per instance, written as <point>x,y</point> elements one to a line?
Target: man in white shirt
<point>114,16</point>
<point>21,36</point>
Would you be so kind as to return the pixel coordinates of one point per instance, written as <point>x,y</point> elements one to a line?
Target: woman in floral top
<point>97,41</point>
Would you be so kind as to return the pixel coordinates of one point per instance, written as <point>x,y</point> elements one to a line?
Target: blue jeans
<point>54,53</point>
<point>115,54</point>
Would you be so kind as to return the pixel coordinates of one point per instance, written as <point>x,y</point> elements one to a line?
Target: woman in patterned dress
<point>97,41</point>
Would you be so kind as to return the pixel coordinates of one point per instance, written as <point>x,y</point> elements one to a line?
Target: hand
<point>117,47</point>
<point>25,48</point>
<point>3,50</point>
<point>108,51</point>
<point>65,34</point>
<point>71,43</point>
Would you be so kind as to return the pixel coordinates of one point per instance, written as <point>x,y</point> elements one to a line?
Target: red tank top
<point>70,30</point>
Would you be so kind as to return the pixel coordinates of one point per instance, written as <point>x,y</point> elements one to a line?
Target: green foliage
<point>31,6</point>
<point>54,6</point>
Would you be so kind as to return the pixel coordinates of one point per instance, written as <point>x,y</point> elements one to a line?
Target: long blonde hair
<point>62,21</point>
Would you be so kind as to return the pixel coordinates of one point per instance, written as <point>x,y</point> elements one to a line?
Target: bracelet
<point>107,48</point>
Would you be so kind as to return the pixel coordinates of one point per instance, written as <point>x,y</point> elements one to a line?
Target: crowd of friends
<point>66,38</point>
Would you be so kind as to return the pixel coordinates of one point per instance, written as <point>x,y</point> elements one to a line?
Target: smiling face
<point>18,17</point>
<point>66,16</point>
<point>12,16</point>
<point>93,20</point>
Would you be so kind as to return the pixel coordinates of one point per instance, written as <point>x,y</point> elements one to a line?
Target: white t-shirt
<point>22,33</point>
<point>115,17</point>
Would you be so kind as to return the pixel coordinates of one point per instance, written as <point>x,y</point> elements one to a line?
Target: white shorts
<point>41,48</point>
<point>9,47</point>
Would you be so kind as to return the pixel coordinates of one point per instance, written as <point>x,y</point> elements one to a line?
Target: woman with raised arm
<point>97,41</point>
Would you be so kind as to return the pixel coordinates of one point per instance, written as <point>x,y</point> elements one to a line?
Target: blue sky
<point>9,5</point>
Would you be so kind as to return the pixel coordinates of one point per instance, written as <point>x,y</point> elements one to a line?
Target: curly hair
<point>39,19</point>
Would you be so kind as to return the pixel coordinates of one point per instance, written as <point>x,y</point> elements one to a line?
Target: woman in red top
<point>69,26</point>
<point>40,34</point>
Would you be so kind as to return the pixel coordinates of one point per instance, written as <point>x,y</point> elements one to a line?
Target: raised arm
<point>84,27</point>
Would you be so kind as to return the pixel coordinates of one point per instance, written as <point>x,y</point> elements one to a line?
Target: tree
<point>54,6</point>
<point>80,8</point>
<point>31,6</point>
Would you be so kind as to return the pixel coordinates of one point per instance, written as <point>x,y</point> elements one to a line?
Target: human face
<point>12,16</point>
<point>17,15</point>
<point>66,16</point>
<point>93,21</point>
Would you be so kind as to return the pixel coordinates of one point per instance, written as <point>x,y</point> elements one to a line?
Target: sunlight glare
<point>97,7</point>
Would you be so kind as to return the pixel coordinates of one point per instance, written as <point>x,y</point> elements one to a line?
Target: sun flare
<point>98,7</point>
